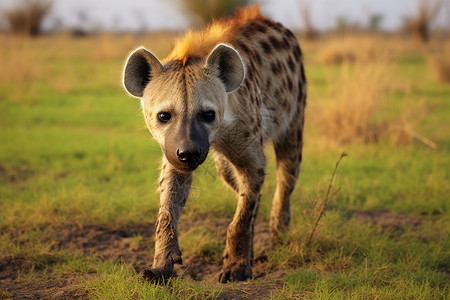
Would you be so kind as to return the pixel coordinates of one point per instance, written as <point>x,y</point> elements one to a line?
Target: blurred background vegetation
<point>202,12</point>
<point>27,17</point>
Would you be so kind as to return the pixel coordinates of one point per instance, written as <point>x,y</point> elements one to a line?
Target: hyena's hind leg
<point>227,172</point>
<point>238,248</point>
<point>288,152</point>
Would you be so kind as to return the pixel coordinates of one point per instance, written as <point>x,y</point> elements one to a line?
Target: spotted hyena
<point>228,89</point>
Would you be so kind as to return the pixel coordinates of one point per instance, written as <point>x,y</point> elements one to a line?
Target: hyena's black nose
<point>190,156</point>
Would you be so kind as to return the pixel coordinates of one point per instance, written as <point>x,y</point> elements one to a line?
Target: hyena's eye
<point>208,116</point>
<point>164,117</point>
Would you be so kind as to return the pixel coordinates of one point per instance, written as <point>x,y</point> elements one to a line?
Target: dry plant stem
<point>327,199</point>
<point>424,140</point>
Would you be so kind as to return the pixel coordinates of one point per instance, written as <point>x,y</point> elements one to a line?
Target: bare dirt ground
<point>117,245</point>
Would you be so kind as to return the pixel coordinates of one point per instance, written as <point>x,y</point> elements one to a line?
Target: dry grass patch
<point>350,49</point>
<point>355,98</point>
<point>351,112</point>
<point>352,108</point>
<point>19,62</point>
<point>440,66</point>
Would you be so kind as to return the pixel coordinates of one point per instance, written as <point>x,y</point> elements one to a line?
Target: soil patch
<point>11,288</point>
<point>12,174</point>
<point>108,243</point>
<point>387,220</point>
<point>133,243</point>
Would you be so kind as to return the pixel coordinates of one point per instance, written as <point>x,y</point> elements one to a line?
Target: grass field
<point>78,173</point>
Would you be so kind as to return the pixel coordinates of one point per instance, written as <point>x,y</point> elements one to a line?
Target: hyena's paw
<point>240,272</point>
<point>163,268</point>
<point>157,276</point>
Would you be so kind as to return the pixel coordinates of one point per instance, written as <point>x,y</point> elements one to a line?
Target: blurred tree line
<point>202,12</point>
<point>27,16</point>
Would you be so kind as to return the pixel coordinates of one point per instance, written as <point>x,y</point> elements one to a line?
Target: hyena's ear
<point>226,63</point>
<point>141,66</point>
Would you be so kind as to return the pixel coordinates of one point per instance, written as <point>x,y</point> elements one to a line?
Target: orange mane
<point>200,43</point>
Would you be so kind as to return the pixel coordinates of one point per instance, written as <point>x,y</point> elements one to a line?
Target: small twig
<point>423,139</point>
<point>327,199</point>
<point>366,265</point>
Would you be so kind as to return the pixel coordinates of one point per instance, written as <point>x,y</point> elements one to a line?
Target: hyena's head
<point>184,102</point>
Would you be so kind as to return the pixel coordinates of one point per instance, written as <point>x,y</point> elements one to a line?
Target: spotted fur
<point>247,71</point>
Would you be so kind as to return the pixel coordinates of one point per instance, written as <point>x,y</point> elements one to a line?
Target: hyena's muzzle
<point>187,145</point>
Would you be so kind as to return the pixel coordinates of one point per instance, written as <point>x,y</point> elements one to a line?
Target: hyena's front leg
<point>237,254</point>
<point>174,188</point>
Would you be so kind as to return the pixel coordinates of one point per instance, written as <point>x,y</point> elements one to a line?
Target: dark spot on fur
<point>246,135</point>
<point>248,31</point>
<point>259,27</point>
<point>250,74</point>
<point>257,57</point>
<point>289,84</point>
<point>274,25</point>
<point>297,52</point>
<point>288,106</point>
<point>278,94</point>
<point>302,73</point>
<point>242,46</point>
<point>276,67</point>
<point>248,89</point>
<point>286,43</point>
<point>269,83</point>
<point>289,33</point>
<point>300,90</point>
<point>293,172</point>
<point>227,174</point>
<point>266,47</point>
<point>300,98</point>
<point>299,134</point>
<point>281,66</point>
<point>291,64</point>
<point>252,65</point>
<point>275,43</point>
<point>252,206</point>
<point>275,121</point>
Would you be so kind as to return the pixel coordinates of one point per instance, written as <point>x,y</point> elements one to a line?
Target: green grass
<point>350,260</point>
<point>74,149</point>
<point>120,281</point>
